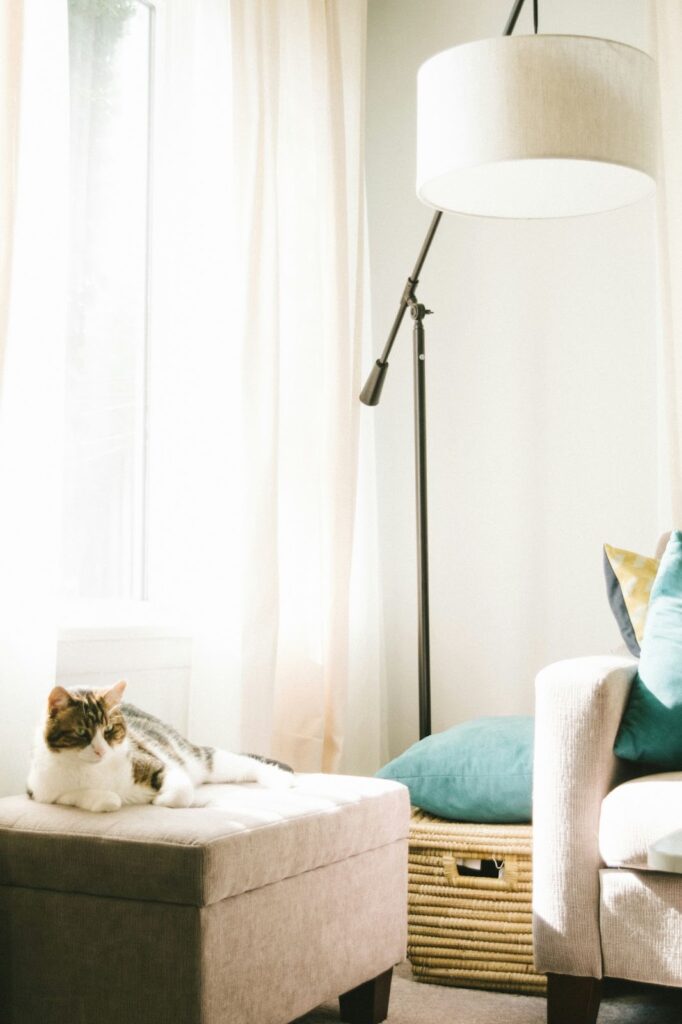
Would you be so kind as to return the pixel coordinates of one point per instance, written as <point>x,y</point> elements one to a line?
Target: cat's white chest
<point>54,774</point>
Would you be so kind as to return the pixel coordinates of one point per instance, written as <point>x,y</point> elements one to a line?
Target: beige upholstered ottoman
<point>251,912</point>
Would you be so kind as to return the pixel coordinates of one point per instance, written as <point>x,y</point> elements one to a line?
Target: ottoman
<point>252,910</point>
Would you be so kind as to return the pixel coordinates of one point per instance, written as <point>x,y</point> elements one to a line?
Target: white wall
<point>541,392</point>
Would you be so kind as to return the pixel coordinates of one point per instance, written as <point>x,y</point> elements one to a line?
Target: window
<point>104,541</point>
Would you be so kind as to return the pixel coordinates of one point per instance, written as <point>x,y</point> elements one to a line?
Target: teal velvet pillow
<point>479,771</point>
<point>651,729</point>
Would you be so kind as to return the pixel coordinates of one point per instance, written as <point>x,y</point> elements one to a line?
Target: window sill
<point>94,649</point>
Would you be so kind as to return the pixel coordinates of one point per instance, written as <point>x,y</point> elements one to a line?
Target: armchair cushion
<point>636,814</point>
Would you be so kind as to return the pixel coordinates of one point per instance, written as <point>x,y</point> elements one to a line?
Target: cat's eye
<point>81,732</point>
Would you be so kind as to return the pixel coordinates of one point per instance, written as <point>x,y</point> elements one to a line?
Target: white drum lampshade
<point>536,126</point>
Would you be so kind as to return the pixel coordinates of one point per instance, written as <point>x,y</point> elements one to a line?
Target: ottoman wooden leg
<point>368,1003</point>
<point>572,1000</point>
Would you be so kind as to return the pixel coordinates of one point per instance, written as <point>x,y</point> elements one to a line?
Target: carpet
<point>413,1002</point>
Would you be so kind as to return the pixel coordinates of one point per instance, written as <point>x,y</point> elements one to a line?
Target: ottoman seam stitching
<point>9,830</point>
<point>103,896</point>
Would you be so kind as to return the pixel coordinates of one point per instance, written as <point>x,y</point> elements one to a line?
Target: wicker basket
<point>473,932</point>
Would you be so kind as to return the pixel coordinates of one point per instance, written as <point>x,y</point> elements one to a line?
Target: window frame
<point>79,618</point>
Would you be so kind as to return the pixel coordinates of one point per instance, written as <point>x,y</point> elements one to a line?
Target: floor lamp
<point>518,127</point>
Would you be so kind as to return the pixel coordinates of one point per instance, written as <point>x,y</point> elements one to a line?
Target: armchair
<point>598,910</point>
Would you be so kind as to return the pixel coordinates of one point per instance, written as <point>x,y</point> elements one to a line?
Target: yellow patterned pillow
<point>629,578</point>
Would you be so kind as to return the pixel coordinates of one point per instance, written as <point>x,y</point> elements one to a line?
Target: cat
<point>94,752</point>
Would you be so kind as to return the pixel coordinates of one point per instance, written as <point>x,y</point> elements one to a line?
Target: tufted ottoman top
<point>247,838</point>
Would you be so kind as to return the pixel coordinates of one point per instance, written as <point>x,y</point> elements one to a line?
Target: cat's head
<point>87,723</point>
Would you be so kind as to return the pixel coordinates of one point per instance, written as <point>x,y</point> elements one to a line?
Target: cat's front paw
<point>104,802</point>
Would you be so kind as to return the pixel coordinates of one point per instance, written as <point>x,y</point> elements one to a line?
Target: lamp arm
<point>371,392</point>
<point>513,17</point>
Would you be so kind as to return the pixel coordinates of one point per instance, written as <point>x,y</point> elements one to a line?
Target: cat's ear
<point>113,696</point>
<point>58,700</point>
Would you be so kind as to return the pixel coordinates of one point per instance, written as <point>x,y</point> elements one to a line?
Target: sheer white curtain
<point>298,101</point>
<point>34,204</point>
<point>667,50</point>
<point>261,335</point>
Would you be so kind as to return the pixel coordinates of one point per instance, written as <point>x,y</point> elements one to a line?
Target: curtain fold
<point>666,22</point>
<point>195,411</point>
<point>298,93</point>
<point>11,28</point>
<point>34,153</point>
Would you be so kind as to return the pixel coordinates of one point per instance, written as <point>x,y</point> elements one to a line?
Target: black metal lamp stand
<point>370,395</point>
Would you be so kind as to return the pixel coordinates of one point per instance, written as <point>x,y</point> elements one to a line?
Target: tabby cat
<point>92,751</point>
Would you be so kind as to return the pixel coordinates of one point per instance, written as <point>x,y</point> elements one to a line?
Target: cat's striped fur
<point>94,752</point>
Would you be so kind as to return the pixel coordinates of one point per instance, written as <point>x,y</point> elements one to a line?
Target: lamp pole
<point>418,312</point>
<point>371,394</point>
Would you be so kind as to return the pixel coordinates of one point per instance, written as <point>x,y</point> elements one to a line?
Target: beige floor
<point>415,1003</point>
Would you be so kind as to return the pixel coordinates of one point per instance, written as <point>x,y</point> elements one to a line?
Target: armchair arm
<point>579,705</point>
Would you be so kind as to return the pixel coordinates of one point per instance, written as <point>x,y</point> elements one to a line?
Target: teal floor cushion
<point>479,771</point>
